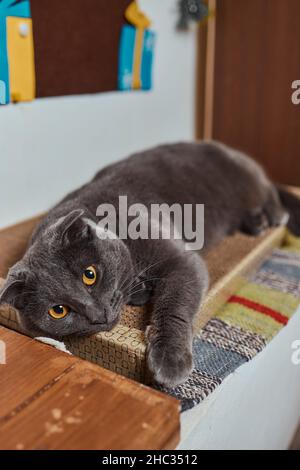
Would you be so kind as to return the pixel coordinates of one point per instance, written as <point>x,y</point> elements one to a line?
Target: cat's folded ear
<point>11,292</point>
<point>73,228</point>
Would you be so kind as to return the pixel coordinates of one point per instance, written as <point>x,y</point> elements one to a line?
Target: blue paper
<point>147,60</point>
<point>126,58</point>
<point>17,8</point>
<point>4,76</point>
<point>2,92</point>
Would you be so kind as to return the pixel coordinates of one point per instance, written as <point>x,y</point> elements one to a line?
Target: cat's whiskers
<point>124,282</point>
<point>155,264</point>
<point>135,292</point>
<point>143,272</point>
<point>145,280</point>
<point>127,279</point>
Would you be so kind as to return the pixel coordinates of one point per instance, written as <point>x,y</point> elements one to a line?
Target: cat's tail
<point>292,204</point>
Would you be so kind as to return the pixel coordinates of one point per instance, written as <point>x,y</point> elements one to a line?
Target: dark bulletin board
<point>76,45</point>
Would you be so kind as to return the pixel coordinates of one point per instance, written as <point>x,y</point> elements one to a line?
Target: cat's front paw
<point>170,363</point>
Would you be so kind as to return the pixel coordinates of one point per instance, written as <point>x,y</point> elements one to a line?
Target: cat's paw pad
<point>170,364</point>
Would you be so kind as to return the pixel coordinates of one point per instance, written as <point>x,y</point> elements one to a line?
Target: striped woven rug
<point>245,324</point>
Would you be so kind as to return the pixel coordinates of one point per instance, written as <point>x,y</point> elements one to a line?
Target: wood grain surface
<point>51,400</point>
<point>256,61</point>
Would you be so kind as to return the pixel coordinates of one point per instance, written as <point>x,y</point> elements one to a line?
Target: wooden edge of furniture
<point>205,69</point>
<point>295,444</point>
<point>52,400</point>
<point>221,290</point>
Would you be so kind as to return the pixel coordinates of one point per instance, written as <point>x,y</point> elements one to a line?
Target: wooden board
<point>51,400</point>
<point>205,73</point>
<point>295,445</point>
<point>256,61</point>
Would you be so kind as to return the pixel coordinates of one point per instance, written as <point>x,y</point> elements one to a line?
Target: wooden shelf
<point>51,400</point>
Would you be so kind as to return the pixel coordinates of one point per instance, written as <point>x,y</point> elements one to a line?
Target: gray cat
<point>71,282</point>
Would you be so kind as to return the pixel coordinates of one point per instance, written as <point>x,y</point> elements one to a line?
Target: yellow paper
<point>137,18</point>
<point>21,59</point>
<point>139,39</point>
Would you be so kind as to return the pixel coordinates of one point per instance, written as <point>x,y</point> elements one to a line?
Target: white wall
<point>50,146</point>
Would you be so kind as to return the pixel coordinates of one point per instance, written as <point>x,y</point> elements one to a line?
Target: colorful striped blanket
<point>245,324</point>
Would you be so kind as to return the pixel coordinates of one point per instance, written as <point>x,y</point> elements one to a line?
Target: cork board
<point>76,45</point>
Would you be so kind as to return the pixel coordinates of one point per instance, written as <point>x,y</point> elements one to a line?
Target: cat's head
<point>69,281</point>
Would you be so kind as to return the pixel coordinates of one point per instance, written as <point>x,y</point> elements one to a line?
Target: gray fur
<point>237,196</point>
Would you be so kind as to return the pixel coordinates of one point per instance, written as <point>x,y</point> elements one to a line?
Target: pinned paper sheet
<point>136,51</point>
<point>4,78</point>
<point>17,74</point>
<point>21,59</point>
<point>2,92</point>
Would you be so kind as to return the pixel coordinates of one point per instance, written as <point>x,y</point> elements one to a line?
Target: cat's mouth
<point>98,327</point>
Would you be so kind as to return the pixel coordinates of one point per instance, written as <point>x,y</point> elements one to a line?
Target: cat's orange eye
<point>59,311</point>
<point>89,276</point>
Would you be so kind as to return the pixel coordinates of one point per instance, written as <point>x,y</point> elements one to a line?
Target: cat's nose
<point>95,316</point>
